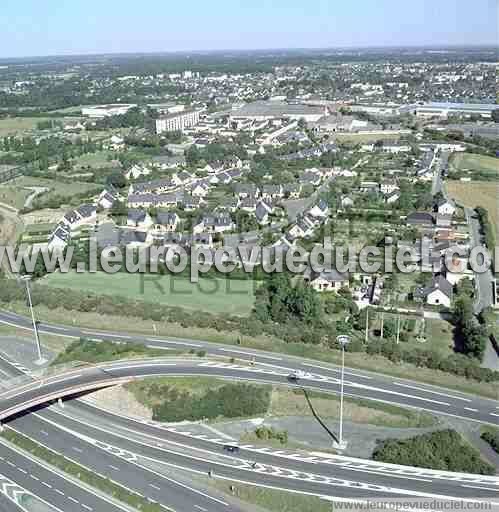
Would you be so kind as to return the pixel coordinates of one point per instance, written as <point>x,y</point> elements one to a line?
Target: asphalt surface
<point>54,489</point>
<point>358,383</point>
<point>330,477</point>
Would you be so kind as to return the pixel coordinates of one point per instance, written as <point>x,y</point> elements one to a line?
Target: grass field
<point>15,192</point>
<point>477,193</point>
<point>93,160</point>
<point>291,402</point>
<point>472,162</point>
<point>360,138</point>
<point>211,295</point>
<point>17,125</point>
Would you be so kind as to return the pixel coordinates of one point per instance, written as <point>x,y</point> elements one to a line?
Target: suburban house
<point>328,281</point>
<point>272,192</point>
<point>438,293</point>
<point>166,221</point>
<point>420,219</point>
<point>319,210</point>
<point>139,219</point>
<point>262,212</point>
<point>137,171</point>
<point>445,207</point>
<point>107,198</point>
<point>214,223</point>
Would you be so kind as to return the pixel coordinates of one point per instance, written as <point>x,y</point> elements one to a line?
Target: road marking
<point>175,342</point>
<point>249,354</point>
<point>337,371</point>
<point>478,487</point>
<point>470,409</point>
<point>155,487</point>
<point>431,391</point>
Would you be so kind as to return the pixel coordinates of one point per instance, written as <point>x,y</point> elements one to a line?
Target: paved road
<point>358,384</point>
<point>55,489</point>
<point>130,439</point>
<point>485,280</point>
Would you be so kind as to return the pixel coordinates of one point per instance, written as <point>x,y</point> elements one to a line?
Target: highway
<point>324,475</point>
<point>358,383</point>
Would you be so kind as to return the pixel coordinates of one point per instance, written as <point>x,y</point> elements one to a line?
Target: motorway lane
<point>347,481</point>
<point>7,505</point>
<point>119,467</point>
<point>53,488</point>
<point>159,445</point>
<point>301,481</point>
<point>320,379</point>
<point>364,384</point>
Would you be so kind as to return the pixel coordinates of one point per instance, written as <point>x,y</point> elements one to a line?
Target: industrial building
<point>438,109</point>
<point>268,110</point>
<point>177,121</point>
<point>100,111</point>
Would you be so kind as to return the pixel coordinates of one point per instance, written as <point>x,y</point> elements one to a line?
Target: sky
<point>54,27</point>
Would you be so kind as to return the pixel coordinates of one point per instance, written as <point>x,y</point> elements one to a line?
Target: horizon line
<point>282,49</point>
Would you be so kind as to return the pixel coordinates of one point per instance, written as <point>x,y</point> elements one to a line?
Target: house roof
<point>420,218</point>
<point>136,215</point>
<point>333,276</point>
<point>437,283</point>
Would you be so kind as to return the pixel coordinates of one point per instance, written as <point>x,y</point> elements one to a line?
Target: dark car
<point>231,448</point>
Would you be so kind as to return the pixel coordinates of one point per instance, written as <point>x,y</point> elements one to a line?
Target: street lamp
<point>343,340</point>
<point>41,360</point>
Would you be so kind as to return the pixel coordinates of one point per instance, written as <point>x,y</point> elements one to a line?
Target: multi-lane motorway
<point>102,441</point>
<point>359,383</point>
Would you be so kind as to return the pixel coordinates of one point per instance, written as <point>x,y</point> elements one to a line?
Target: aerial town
<point>254,389</point>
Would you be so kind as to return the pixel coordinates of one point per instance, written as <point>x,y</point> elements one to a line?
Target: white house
<point>329,281</point>
<point>136,171</point>
<point>139,219</point>
<point>445,207</point>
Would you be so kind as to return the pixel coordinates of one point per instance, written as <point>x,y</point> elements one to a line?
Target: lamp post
<point>343,340</point>
<point>41,360</point>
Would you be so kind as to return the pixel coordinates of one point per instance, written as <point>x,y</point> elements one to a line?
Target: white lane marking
<point>175,342</point>
<point>479,487</point>
<point>470,409</point>
<point>431,391</point>
<point>493,414</point>
<point>249,354</point>
<point>155,487</point>
<point>337,370</point>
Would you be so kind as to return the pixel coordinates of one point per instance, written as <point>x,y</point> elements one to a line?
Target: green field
<point>15,193</point>
<point>215,295</point>
<point>472,162</point>
<point>361,138</point>
<point>16,125</point>
<point>94,160</point>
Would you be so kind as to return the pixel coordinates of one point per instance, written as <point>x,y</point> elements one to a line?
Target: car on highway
<point>298,374</point>
<point>231,448</point>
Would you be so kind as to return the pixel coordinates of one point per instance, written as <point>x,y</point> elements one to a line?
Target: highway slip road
<point>359,383</point>
<point>325,478</point>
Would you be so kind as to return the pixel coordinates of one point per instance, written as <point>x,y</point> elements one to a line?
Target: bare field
<point>477,193</point>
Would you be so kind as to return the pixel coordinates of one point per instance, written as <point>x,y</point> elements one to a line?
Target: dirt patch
<point>118,399</point>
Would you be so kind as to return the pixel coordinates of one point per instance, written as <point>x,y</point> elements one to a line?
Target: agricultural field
<point>17,125</point>
<point>472,162</point>
<point>215,295</point>
<point>477,193</point>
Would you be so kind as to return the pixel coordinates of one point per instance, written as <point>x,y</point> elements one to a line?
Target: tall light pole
<point>26,278</point>
<point>343,341</point>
